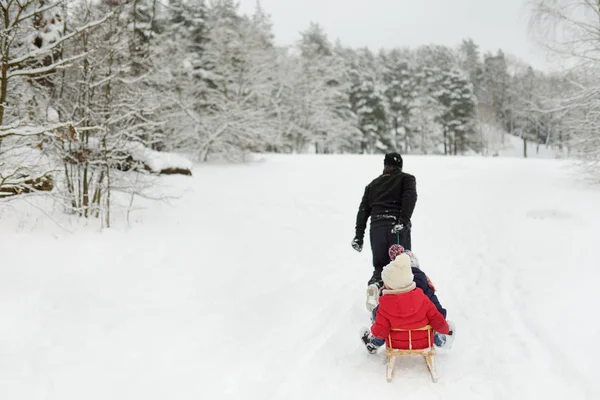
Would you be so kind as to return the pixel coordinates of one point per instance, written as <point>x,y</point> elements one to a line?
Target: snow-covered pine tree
<point>142,18</point>
<point>368,102</point>
<point>227,102</point>
<point>180,70</point>
<point>186,35</point>
<point>145,24</point>
<point>525,110</point>
<point>469,61</point>
<point>435,56</point>
<point>454,93</point>
<point>316,108</point>
<point>495,93</point>
<point>490,130</point>
<point>263,26</point>
<point>347,137</point>
<point>402,92</point>
<point>429,134</point>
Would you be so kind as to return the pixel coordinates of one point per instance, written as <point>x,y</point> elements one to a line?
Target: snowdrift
<point>159,162</point>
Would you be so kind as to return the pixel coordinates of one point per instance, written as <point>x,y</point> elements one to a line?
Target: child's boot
<point>366,339</point>
<point>373,295</point>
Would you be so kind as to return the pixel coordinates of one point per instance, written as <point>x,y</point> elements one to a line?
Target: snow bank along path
<point>247,288</point>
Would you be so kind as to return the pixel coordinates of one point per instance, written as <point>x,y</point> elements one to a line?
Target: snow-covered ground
<point>247,288</point>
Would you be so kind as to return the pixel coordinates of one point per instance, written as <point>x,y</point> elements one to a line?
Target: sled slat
<point>428,353</point>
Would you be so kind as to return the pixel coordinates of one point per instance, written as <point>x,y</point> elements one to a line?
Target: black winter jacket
<point>388,199</point>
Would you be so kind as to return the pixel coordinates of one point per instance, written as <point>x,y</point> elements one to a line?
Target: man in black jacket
<point>389,200</point>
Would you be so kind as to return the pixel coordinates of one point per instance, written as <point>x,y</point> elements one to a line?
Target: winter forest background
<point>90,91</point>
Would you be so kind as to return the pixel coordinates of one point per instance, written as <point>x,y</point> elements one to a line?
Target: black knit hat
<point>394,159</point>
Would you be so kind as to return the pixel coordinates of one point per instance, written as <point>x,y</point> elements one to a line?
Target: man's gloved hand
<point>357,244</point>
<point>397,228</point>
<point>401,224</point>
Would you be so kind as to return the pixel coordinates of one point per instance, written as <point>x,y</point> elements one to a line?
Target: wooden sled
<point>428,353</point>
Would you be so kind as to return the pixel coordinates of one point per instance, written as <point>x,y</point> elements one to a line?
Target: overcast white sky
<point>492,24</point>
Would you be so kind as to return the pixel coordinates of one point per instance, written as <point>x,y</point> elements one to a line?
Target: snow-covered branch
<point>66,63</point>
<point>20,18</point>
<point>17,129</point>
<point>46,49</point>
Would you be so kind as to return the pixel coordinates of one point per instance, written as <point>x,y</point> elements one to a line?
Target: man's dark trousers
<point>382,238</point>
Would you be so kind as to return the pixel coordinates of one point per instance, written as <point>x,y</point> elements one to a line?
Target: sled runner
<point>428,353</point>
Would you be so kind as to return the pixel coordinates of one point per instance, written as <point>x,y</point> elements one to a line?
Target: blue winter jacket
<point>421,281</point>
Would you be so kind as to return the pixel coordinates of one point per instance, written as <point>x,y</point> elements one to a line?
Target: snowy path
<point>248,289</point>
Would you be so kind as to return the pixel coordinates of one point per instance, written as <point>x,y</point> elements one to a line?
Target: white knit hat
<point>397,275</point>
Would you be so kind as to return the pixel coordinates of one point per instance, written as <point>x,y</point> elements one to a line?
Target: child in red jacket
<point>421,280</point>
<point>403,305</point>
